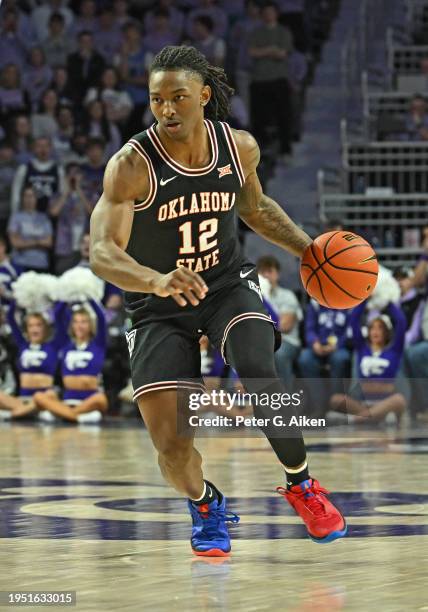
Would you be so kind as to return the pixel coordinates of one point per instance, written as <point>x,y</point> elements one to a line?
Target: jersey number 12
<point>207,229</point>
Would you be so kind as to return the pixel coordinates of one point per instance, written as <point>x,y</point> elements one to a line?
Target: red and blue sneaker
<point>323,520</point>
<point>210,537</point>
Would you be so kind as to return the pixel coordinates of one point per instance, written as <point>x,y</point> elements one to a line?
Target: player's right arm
<point>126,180</point>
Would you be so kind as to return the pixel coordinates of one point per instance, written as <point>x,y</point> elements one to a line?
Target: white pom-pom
<point>265,286</point>
<point>35,292</point>
<point>387,290</point>
<point>80,284</point>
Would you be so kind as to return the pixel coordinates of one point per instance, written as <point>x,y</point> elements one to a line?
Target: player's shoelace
<point>313,500</point>
<point>212,518</point>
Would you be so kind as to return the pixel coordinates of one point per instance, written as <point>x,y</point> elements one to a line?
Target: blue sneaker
<point>210,537</point>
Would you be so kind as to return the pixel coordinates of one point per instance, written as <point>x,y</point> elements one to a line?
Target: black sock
<point>211,493</point>
<point>295,479</point>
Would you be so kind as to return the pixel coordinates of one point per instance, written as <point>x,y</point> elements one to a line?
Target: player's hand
<point>183,285</point>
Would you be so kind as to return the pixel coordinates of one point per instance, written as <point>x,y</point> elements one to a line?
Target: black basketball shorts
<point>165,353</point>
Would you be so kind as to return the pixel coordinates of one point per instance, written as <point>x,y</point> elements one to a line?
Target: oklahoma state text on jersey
<point>189,217</point>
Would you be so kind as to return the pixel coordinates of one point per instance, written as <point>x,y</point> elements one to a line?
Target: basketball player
<point>164,230</point>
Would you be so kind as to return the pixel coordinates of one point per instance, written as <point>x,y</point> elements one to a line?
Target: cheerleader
<point>378,357</point>
<point>81,363</point>
<point>38,356</point>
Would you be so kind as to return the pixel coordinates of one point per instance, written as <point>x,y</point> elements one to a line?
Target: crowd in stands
<point>73,88</point>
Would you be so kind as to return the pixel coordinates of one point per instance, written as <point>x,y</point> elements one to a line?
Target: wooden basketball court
<point>85,509</point>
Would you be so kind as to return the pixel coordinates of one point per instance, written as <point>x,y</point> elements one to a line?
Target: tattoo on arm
<point>267,218</point>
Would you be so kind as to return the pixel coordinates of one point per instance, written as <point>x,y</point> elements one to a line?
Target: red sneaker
<point>323,520</point>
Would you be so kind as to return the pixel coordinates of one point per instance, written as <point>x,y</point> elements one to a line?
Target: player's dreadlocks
<point>189,58</point>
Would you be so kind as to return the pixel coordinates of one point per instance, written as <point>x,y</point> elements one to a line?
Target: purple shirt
<point>30,226</point>
<point>72,224</point>
<point>38,358</point>
<point>85,360</point>
<point>382,365</point>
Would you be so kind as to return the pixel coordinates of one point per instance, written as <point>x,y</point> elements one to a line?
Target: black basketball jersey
<point>189,217</point>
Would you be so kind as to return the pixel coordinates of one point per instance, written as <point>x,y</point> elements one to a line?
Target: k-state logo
<point>78,359</point>
<point>130,338</point>
<point>224,170</point>
<point>371,365</point>
<point>33,358</point>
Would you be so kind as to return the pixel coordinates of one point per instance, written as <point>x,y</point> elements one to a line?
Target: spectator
<point>44,123</point>
<point>58,45</point>
<point>416,355</point>
<point>133,63</point>
<point>378,358</point>
<point>238,48</point>
<point>86,21</point>
<point>25,30</point>
<point>85,66</point>
<point>37,77</point>
<point>412,303</point>
<point>7,171</point>
<point>325,337</point>
<point>71,209</point>
<point>13,99</point>
<point>290,314</point>
<point>42,173</point>
<point>208,8</point>
<point>84,251</point>
<point>160,34</point>
<point>62,141</point>
<point>41,15</point>
<point>212,47</point>
<point>417,119</point>
<point>12,45</point>
<point>175,18</point>
<point>93,170</point>
<point>121,15</point>
<point>8,272</point>
<point>269,48</point>
<point>20,138</point>
<point>61,84</point>
<point>118,103</point>
<point>97,125</point>
<point>77,153</point>
<point>108,35</point>
<point>30,234</point>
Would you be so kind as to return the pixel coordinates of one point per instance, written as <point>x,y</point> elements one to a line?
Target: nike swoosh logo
<point>244,274</point>
<point>164,182</point>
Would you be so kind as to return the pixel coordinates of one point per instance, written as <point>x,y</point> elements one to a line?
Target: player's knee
<point>255,368</point>
<point>174,454</point>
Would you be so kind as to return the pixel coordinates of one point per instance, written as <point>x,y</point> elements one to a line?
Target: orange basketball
<point>339,269</point>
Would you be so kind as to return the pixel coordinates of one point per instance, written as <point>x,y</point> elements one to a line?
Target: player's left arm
<point>257,210</point>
